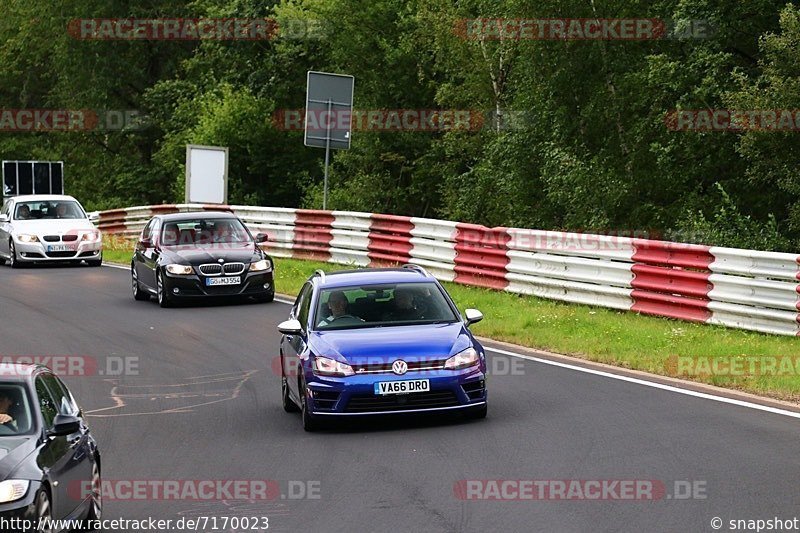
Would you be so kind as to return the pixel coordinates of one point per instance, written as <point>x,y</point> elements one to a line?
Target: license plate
<point>235,280</point>
<point>383,388</point>
<point>60,248</point>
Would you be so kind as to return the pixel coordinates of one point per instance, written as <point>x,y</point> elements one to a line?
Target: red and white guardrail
<point>743,289</point>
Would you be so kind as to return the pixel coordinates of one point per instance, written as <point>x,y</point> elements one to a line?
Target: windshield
<point>48,210</point>
<point>382,305</point>
<point>203,231</point>
<point>15,411</point>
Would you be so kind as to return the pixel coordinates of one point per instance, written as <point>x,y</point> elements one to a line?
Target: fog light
<point>266,285</point>
<point>176,290</point>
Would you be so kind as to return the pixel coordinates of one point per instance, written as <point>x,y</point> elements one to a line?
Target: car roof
<point>41,198</point>
<point>177,217</point>
<point>19,371</point>
<point>373,276</point>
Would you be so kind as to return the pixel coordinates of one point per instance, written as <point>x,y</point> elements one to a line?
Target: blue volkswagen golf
<point>379,341</point>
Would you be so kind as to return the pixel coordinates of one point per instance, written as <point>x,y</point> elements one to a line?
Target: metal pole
<point>327,157</point>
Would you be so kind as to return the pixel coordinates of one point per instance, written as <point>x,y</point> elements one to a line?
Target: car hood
<point>12,451</point>
<point>197,255</point>
<point>53,226</point>
<point>385,344</point>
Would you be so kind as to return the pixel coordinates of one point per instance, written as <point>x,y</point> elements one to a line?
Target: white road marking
<point>646,383</point>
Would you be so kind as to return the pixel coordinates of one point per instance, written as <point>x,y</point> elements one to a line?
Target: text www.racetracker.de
<point>200,523</point>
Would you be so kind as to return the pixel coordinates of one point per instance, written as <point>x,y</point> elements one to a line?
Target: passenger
<point>404,307</point>
<point>24,212</point>
<point>338,303</point>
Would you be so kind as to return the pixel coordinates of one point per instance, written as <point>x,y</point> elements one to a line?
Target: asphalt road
<point>203,404</point>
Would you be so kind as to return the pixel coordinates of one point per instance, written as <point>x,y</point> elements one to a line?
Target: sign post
<point>329,100</point>
<point>206,174</point>
<point>32,177</point>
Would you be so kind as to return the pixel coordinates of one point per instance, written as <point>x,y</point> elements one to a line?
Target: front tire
<point>310,422</point>
<point>95,262</point>
<point>44,510</point>
<point>476,413</point>
<point>288,405</point>
<point>12,253</point>
<point>96,506</point>
<point>265,299</point>
<point>138,294</point>
<point>164,297</point>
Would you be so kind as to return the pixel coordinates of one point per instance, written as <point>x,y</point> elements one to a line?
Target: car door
<point>138,251</point>
<point>60,457</point>
<point>80,473</point>
<point>147,254</point>
<point>5,229</point>
<point>293,346</point>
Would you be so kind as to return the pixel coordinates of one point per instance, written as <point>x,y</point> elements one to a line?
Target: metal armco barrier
<point>743,289</point>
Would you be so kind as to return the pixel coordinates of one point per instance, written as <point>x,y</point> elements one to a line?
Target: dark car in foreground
<point>377,342</point>
<point>186,256</point>
<point>49,462</point>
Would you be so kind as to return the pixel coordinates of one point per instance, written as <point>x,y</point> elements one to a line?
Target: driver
<point>337,302</point>
<point>6,403</point>
<point>24,212</point>
<point>61,211</point>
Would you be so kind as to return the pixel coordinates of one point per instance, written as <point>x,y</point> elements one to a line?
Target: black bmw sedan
<point>49,462</point>
<point>200,255</point>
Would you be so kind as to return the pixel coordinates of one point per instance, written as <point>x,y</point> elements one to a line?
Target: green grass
<point>618,338</point>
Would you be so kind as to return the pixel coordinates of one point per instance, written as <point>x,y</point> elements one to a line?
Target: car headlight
<point>180,270</point>
<point>463,359</point>
<point>260,266</point>
<point>324,366</point>
<point>13,489</point>
<point>91,236</point>
<point>24,237</point>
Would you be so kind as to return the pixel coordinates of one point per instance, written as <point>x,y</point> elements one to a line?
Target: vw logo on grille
<point>399,367</point>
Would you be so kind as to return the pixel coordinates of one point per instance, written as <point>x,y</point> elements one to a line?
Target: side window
<point>147,228</point>
<point>4,211</point>
<point>303,304</point>
<point>46,403</point>
<point>154,229</point>
<point>64,402</point>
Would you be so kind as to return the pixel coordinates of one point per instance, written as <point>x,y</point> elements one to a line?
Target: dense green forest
<point>587,146</point>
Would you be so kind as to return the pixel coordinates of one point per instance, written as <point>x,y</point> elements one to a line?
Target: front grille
<point>51,238</point>
<point>234,269</point>
<point>211,269</point>
<point>386,367</point>
<point>475,390</point>
<point>325,400</point>
<point>61,255</point>
<point>69,238</point>
<point>362,403</point>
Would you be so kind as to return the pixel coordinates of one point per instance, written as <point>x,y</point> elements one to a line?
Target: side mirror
<point>64,425</point>
<point>472,316</point>
<point>3,218</point>
<point>290,327</point>
<point>93,217</point>
<point>262,238</point>
<point>145,243</point>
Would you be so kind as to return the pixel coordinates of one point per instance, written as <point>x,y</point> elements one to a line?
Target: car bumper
<point>450,390</point>
<point>39,252</point>
<point>193,286</point>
